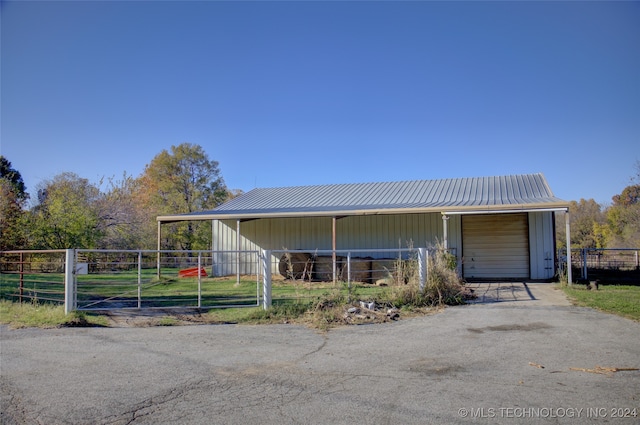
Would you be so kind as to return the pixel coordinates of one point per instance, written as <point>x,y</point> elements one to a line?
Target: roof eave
<point>477,209</point>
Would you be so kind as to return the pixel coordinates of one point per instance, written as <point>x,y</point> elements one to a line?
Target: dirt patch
<point>434,367</point>
<point>78,322</point>
<point>515,327</point>
<point>148,318</point>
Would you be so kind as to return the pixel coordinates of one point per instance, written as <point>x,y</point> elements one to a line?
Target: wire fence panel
<point>162,279</point>
<point>32,276</point>
<point>301,275</point>
<point>605,264</point>
<point>137,279</point>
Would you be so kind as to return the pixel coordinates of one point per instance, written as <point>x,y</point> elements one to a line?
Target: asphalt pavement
<point>521,353</point>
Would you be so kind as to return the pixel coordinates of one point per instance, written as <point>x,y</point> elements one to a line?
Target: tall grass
<point>33,314</point>
<point>443,285</point>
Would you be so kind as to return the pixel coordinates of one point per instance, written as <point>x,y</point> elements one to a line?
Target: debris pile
<point>370,312</point>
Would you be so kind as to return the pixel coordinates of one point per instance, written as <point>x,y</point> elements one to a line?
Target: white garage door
<point>495,246</point>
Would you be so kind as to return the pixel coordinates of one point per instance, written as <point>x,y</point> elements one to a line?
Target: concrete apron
<point>542,294</point>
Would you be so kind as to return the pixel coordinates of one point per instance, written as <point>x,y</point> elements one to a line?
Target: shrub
<point>444,285</point>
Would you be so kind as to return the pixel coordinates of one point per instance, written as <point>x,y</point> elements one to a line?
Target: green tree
<point>585,216</point>
<point>623,219</point>
<point>14,178</point>
<point>13,197</point>
<point>183,180</point>
<point>122,216</point>
<point>66,215</point>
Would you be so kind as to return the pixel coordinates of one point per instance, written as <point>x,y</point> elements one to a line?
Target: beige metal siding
<point>353,232</point>
<point>542,245</point>
<point>495,246</point>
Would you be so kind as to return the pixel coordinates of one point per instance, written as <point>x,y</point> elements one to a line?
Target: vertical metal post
<point>139,279</point>
<point>213,247</point>
<point>445,231</point>
<point>349,276</point>
<point>422,267</point>
<point>333,248</point>
<point>238,252</point>
<point>584,263</point>
<point>21,268</point>
<point>266,279</point>
<point>567,223</point>
<point>199,279</point>
<point>158,259</point>
<point>69,281</point>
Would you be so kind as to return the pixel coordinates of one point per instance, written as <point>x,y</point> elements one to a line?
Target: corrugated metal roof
<point>465,194</point>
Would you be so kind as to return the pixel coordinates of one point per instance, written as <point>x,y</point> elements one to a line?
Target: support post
<point>21,269</point>
<point>238,252</point>
<point>349,276</point>
<point>445,231</point>
<point>266,279</point>
<point>422,267</point>
<point>158,255</point>
<point>139,279</point>
<point>568,236</point>
<point>213,247</point>
<point>70,281</point>
<point>199,279</point>
<point>333,248</point>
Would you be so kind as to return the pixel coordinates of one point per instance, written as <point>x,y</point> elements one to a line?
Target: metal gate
<point>85,279</point>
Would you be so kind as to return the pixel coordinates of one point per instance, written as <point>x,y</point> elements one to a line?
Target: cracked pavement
<point>512,349</point>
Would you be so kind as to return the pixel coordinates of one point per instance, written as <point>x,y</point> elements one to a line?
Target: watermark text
<point>549,412</point>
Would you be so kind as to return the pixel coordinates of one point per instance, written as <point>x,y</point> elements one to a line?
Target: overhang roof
<point>525,192</point>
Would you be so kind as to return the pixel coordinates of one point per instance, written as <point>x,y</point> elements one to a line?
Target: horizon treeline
<point>69,211</point>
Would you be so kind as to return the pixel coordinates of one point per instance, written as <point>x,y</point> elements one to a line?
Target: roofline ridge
<point>498,176</point>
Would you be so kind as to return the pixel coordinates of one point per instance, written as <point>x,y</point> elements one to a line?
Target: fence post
<point>349,276</point>
<point>199,279</point>
<point>584,263</point>
<point>139,279</point>
<point>21,270</point>
<point>422,267</point>
<point>70,281</point>
<point>266,282</point>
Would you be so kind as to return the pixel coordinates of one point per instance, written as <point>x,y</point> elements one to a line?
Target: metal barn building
<point>499,227</point>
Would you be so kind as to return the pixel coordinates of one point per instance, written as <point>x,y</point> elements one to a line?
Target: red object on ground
<point>192,272</point>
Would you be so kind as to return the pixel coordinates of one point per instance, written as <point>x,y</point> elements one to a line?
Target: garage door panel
<point>495,246</point>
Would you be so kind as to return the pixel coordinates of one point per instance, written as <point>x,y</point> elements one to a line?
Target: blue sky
<point>299,93</point>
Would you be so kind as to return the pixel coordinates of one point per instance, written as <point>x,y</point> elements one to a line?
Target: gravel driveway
<point>520,354</point>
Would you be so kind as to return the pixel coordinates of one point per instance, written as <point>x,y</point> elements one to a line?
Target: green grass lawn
<point>44,295</point>
<point>622,300</point>
<point>120,289</point>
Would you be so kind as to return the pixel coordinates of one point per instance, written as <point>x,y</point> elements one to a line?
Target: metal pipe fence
<point>361,267</point>
<point>33,276</point>
<point>620,265</point>
<point>86,279</point>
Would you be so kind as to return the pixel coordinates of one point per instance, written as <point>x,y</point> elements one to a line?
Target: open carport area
<point>519,354</point>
